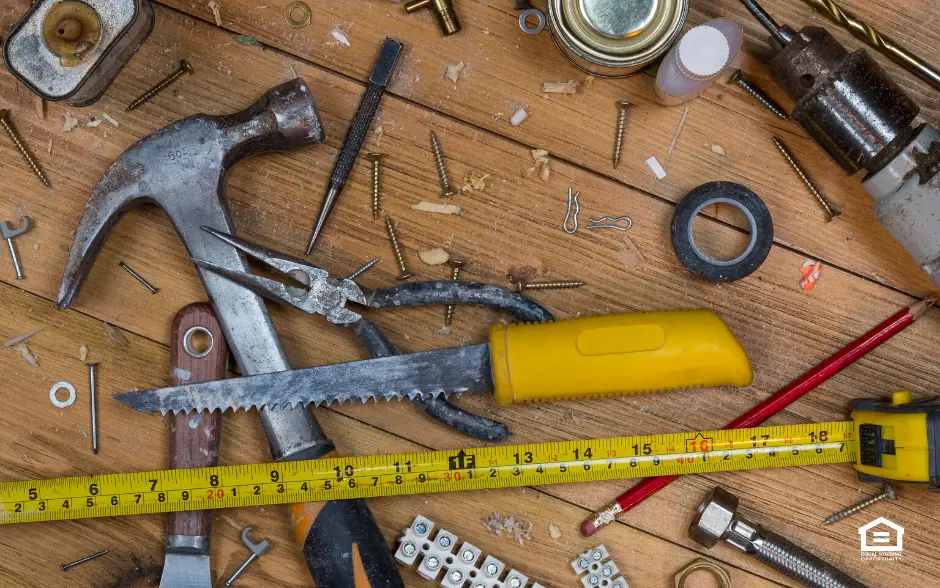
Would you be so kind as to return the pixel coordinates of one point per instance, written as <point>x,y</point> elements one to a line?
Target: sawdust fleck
<point>40,105</point>
<point>569,87</point>
<point>540,156</point>
<point>452,72</point>
<point>49,148</point>
<point>340,36</point>
<point>70,123</point>
<point>114,333</point>
<point>26,354</point>
<point>83,352</point>
<point>474,182</point>
<point>434,256</point>
<point>21,338</point>
<point>437,208</point>
<point>554,531</point>
<point>83,432</point>
<point>718,150</point>
<point>108,118</point>
<point>519,529</point>
<point>94,123</point>
<point>215,7</point>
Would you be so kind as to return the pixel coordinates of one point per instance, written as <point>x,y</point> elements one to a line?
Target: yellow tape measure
<point>429,472</point>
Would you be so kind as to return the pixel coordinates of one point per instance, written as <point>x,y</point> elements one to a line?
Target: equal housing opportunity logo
<point>881,540</point>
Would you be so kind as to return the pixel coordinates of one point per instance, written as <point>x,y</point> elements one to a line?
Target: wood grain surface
<point>513,225</point>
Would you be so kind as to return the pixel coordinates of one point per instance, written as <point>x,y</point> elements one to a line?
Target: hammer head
<point>182,169</point>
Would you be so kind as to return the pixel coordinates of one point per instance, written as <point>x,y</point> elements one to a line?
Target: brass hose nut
<point>444,9</point>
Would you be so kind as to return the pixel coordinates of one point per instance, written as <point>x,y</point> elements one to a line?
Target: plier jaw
<point>317,294</point>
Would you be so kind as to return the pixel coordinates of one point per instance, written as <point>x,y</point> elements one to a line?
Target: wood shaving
<point>437,208</point>
<point>114,333</point>
<point>569,87</point>
<point>377,135</point>
<point>452,72</point>
<point>83,352</point>
<point>474,182</point>
<point>341,38</point>
<point>718,150</point>
<point>25,353</point>
<point>434,256</point>
<point>108,118</point>
<point>70,123</point>
<point>95,123</point>
<point>554,531</point>
<point>587,82</point>
<point>49,148</point>
<point>540,156</point>
<point>520,530</point>
<point>21,338</point>
<point>675,136</point>
<point>215,7</point>
<point>630,256</point>
<point>40,105</point>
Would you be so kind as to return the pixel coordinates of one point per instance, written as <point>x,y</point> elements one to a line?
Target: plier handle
<point>318,293</point>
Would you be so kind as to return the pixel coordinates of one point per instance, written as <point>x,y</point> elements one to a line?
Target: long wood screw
<point>764,99</point>
<point>375,158</point>
<point>455,275</point>
<point>831,211</point>
<point>393,238</point>
<point>561,285</point>
<point>886,493</point>
<point>8,127</point>
<point>622,106</point>
<point>364,268</point>
<point>448,190</point>
<point>184,68</point>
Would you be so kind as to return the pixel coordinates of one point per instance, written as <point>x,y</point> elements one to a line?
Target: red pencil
<point>774,404</point>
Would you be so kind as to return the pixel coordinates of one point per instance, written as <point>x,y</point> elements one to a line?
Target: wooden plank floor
<point>514,223</point>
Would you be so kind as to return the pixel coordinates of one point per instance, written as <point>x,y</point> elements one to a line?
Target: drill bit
<point>870,35</point>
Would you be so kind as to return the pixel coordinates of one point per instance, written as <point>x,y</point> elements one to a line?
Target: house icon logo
<point>881,535</point>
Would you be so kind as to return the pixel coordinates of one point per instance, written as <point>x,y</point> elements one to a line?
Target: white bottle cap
<point>703,52</point>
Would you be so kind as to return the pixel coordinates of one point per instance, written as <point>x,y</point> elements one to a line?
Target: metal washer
<point>59,386</point>
<point>538,14</point>
<point>302,7</point>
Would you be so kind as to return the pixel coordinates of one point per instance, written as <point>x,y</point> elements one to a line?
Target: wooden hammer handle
<point>198,353</point>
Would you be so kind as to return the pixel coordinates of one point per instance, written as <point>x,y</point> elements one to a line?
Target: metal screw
<point>421,528</point>
<point>68,566</point>
<point>393,238</point>
<point>515,582</point>
<point>441,170</point>
<point>597,555</point>
<point>444,541</point>
<point>621,124</point>
<point>492,569</point>
<point>92,377</point>
<point>594,579</point>
<point>886,493</point>
<point>409,549</point>
<point>361,271</point>
<point>8,127</point>
<point>583,563</point>
<point>432,562</point>
<point>764,99</point>
<point>455,275</point>
<point>184,68</point>
<point>139,278</point>
<point>607,571</point>
<point>562,285</point>
<point>831,211</point>
<point>456,576</point>
<point>376,175</point>
<point>467,555</point>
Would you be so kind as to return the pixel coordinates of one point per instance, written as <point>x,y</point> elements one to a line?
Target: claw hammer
<point>182,169</point>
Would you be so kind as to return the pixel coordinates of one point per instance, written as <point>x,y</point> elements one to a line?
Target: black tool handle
<point>368,106</point>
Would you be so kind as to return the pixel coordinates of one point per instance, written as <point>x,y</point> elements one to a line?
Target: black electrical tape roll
<point>758,217</point>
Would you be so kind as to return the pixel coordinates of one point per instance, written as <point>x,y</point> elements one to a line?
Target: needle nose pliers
<point>318,293</point>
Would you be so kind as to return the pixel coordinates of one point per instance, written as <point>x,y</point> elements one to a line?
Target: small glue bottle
<point>697,60</point>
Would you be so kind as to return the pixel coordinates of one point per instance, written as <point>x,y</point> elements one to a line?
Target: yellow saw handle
<point>615,355</point>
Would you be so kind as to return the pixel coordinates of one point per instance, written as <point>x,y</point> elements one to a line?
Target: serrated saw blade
<point>443,372</point>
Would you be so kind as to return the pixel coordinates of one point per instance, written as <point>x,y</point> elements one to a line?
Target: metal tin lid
<point>59,44</point>
<point>622,34</point>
